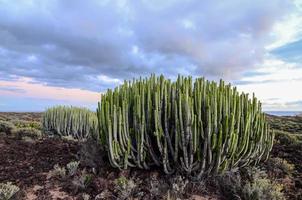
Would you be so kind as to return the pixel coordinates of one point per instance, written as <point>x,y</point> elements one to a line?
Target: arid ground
<point>38,165</point>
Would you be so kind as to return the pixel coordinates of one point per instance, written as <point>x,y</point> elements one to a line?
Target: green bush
<point>249,184</point>
<point>6,127</point>
<point>2,118</point>
<point>27,132</point>
<point>58,172</point>
<point>286,123</point>
<point>70,121</point>
<point>258,186</point>
<point>279,166</point>
<point>82,181</point>
<point>286,138</point>
<point>85,196</point>
<point>124,187</point>
<point>2,134</point>
<point>230,185</point>
<point>8,191</point>
<point>26,124</point>
<point>72,167</point>
<point>196,127</point>
<point>263,188</point>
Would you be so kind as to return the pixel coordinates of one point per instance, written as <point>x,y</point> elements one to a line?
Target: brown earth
<point>293,155</point>
<point>27,164</point>
<point>24,162</point>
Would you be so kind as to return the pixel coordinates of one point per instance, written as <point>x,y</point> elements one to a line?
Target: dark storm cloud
<point>93,45</point>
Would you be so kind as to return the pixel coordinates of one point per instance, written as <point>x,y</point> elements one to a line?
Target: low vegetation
<point>286,123</point>
<point>6,127</point>
<point>26,124</point>
<point>263,188</point>
<point>8,191</point>
<point>15,130</point>
<point>72,167</point>
<point>82,170</point>
<point>27,132</point>
<point>58,172</point>
<point>250,184</point>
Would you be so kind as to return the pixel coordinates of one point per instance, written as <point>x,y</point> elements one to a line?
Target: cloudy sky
<point>69,51</point>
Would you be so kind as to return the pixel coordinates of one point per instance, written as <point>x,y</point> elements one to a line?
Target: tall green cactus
<point>197,127</point>
<point>70,121</point>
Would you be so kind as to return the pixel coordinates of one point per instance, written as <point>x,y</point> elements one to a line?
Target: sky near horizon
<point>70,51</point>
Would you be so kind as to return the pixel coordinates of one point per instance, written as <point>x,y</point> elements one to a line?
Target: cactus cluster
<point>196,127</point>
<point>70,121</point>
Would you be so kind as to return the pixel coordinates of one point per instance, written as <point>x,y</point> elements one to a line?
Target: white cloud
<point>278,85</point>
<point>274,69</point>
<point>54,45</point>
<point>188,24</point>
<point>108,80</point>
<point>31,58</point>
<point>287,30</point>
<point>208,38</point>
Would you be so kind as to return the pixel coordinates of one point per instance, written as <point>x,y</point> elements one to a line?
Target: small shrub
<point>87,178</point>
<point>8,190</point>
<point>154,187</point>
<point>6,127</point>
<point>72,168</point>
<point>279,166</point>
<point>59,172</point>
<point>230,185</point>
<point>26,124</point>
<point>261,189</point>
<point>91,154</point>
<point>85,196</point>
<point>124,187</point>
<point>27,132</point>
<point>251,173</point>
<point>157,186</point>
<point>2,118</point>
<point>286,138</point>
<point>2,134</point>
<point>82,181</point>
<point>104,195</point>
<point>178,184</point>
<point>249,184</point>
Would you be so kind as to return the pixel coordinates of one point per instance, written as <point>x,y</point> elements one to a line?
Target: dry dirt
<point>28,163</point>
